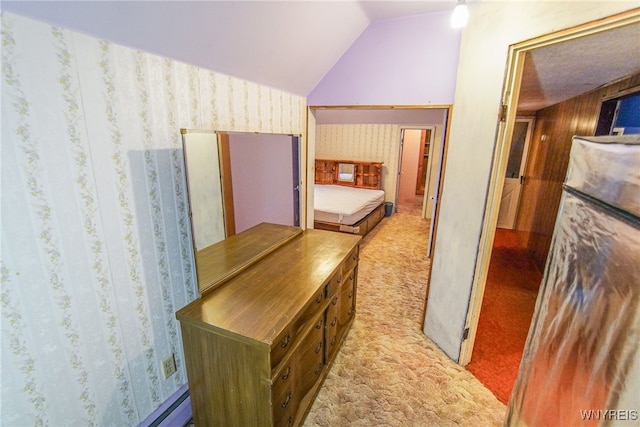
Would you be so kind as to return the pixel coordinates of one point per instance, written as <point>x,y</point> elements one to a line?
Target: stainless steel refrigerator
<point>581,363</point>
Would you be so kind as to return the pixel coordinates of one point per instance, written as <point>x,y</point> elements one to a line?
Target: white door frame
<point>432,128</point>
<point>511,92</point>
<point>425,199</point>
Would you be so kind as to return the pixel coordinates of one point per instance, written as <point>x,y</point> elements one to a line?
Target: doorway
<point>514,177</point>
<point>511,96</point>
<point>415,154</point>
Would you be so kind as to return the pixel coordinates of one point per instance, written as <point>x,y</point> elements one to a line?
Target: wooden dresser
<point>260,343</point>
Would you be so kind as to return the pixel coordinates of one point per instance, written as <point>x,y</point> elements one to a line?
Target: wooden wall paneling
<point>555,126</point>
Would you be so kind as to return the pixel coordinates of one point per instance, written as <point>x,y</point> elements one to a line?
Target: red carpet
<point>507,308</point>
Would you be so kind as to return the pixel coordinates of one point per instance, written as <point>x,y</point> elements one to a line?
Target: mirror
<point>345,172</point>
<point>266,186</point>
<point>204,187</point>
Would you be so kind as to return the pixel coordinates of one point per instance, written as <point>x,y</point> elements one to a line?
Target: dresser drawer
<point>338,278</point>
<point>289,337</point>
<point>332,327</point>
<point>347,307</point>
<point>298,376</point>
<point>302,359</point>
<point>284,381</point>
<point>351,260</point>
<point>340,311</point>
<point>349,279</point>
<point>310,361</point>
<point>333,284</point>
<point>285,407</point>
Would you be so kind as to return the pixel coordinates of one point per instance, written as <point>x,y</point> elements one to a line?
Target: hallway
<point>507,307</point>
<point>411,207</point>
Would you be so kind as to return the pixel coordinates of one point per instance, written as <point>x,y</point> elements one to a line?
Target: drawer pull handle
<point>290,421</point>
<point>351,294</point>
<point>351,276</point>
<point>286,373</point>
<point>340,278</point>
<point>285,341</point>
<point>350,312</point>
<point>333,340</point>
<point>287,400</point>
<point>319,347</point>
<point>318,369</point>
<point>319,325</point>
<point>335,321</point>
<point>335,301</point>
<point>319,299</point>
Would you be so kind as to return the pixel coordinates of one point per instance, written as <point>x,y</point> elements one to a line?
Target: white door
<point>514,177</point>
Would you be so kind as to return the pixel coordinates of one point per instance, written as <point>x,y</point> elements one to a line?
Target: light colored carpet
<point>388,373</point>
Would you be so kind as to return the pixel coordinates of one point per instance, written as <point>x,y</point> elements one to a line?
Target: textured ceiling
<point>561,71</point>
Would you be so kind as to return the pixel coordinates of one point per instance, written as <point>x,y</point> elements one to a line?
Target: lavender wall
<point>401,61</point>
<point>395,116</point>
<point>262,176</point>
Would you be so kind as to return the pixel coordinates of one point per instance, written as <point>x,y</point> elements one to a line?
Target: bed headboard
<point>352,173</point>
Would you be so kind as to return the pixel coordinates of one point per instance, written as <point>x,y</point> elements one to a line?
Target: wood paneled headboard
<point>351,173</point>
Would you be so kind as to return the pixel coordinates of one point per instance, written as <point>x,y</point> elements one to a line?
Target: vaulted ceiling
<point>291,45</point>
<point>288,45</point>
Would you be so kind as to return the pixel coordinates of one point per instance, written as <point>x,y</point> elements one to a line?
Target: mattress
<point>344,205</point>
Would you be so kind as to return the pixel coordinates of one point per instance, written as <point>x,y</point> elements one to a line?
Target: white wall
<point>96,246</point>
<point>493,26</point>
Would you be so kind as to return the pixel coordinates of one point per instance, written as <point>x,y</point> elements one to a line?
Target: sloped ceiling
<point>288,45</point>
<point>555,73</point>
<point>291,45</point>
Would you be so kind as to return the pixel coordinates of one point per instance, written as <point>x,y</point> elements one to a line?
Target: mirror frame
<point>229,260</point>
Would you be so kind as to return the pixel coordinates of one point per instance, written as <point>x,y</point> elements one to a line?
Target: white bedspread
<point>344,205</point>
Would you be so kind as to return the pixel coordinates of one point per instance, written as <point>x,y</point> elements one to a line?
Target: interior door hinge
<point>502,114</point>
<point>465,334</point>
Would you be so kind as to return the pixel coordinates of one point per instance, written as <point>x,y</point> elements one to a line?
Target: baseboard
<point>175,412</point>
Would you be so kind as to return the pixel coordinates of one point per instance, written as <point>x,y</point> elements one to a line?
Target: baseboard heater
<point>175,412</point>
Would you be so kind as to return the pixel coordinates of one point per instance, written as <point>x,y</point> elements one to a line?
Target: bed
<point>347,195</point>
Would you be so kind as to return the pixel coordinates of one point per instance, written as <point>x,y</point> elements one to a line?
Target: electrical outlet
<point>168,366</point>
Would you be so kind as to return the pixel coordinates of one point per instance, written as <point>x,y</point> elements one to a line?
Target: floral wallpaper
<point>96,247</point>
<point>367,142</point>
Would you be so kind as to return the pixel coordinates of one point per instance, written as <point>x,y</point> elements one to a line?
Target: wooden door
<point>423,160</point>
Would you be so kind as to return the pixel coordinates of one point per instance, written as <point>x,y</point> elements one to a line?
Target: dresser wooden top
<point>217,263</point>
<point>259,302</point>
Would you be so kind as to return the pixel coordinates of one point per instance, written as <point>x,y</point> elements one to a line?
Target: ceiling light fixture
<point>460,15</point>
